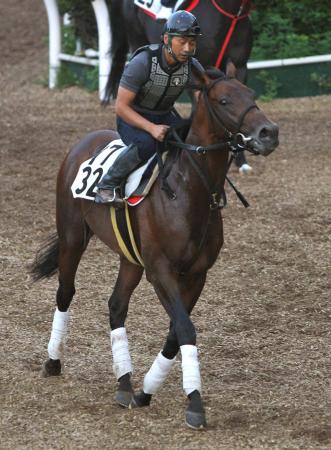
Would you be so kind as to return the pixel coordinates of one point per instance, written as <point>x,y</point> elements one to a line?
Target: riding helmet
<point>182,23</point>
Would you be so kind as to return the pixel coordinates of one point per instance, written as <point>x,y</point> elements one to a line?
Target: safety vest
<point>164,86</point>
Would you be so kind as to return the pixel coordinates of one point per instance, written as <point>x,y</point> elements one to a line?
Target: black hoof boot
<point>125,399</point>
<point>195,420</point>
<point>51,368</point>
<point>124,393</point>
<point>141,399</point>
<point>195,417</point>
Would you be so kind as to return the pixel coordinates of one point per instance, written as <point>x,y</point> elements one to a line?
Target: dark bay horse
<point>132,28</point>
<point>178,239</point>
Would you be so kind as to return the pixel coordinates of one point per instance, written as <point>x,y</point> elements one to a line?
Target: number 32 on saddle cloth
<point>91,171</point>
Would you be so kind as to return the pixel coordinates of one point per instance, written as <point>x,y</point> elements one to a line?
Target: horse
<point>178,237</point>
<point>226,34</point>
<point>132,28</point>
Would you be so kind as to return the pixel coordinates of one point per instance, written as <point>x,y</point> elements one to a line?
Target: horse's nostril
<point>264,133</point>
<point>268,132</point>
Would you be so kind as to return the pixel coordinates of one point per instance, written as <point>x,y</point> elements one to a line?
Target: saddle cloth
<point>91,171</point>
<point>153,8</point>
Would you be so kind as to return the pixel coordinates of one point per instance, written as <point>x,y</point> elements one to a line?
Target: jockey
<point>151,83</point>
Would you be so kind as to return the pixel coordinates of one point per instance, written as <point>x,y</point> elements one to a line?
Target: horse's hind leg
<point>73,240</point>
<point>128,278</point>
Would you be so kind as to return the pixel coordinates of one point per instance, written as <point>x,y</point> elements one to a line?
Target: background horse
<point>178,239</point>
<point>132,28</point>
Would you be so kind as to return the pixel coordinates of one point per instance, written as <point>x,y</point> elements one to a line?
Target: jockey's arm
<point>123,108</point>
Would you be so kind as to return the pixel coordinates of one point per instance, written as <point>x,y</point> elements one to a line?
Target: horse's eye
<point>223,101</point>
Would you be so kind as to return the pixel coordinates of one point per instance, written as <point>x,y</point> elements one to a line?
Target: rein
<point>215,196</point>
<point>235,142</point>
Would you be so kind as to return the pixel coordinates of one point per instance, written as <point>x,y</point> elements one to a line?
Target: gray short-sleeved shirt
<point>137,71</point>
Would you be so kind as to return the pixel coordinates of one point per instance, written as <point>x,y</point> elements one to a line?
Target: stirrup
<point>109,196</point>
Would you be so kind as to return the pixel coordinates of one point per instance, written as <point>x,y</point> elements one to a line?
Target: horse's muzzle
<point>265,138</point>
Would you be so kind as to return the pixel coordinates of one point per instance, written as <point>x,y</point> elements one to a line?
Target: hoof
<point>125,399</point>
<point>142,399</point>
<point>195,420</point>
<point>245,169</point>
<point>51,368</point>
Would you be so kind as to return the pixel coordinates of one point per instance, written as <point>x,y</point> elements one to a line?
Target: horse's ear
<point>231,69</point>
<point>199,74</point>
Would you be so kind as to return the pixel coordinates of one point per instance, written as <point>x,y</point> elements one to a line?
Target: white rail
<point>78,59</point>
<point>288,62</point>
<point>54,40</point>
<point>104,42</point>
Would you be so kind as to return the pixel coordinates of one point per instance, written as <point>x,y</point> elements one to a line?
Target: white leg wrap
<point>58,335</point>
<point>120,350</point>
<point>190,368</point>
<point>157,374</point>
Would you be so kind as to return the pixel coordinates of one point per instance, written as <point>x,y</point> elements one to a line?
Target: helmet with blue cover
<point>182,23</point>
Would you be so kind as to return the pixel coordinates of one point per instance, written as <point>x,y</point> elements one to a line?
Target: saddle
<point>139,182</point>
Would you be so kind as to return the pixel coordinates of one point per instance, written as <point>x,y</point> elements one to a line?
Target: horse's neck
<point>201,133</point>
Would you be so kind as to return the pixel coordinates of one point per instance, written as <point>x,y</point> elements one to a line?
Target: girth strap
<point>120,220</point>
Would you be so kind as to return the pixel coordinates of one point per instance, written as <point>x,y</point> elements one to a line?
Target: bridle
<point>235,141</point>
<point>235,18</point>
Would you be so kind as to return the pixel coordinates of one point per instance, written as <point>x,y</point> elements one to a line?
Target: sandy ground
<point>262,320</point>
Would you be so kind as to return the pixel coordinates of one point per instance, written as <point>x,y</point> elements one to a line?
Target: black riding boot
<point>109,187</point>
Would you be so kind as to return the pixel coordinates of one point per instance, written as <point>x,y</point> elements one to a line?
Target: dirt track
<point>262,320</point>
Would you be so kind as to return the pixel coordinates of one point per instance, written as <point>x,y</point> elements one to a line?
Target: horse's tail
<point>119,48</point>
<point>46,262</point>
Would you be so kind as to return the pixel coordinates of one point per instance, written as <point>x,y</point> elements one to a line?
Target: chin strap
<point>169,49</point>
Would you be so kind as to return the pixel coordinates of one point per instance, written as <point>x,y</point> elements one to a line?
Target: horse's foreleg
<point>159,370</point>
<point>128,278</point>
<point>181,336</point>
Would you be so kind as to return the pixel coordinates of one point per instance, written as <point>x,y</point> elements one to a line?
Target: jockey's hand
<point>159,131</point>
